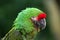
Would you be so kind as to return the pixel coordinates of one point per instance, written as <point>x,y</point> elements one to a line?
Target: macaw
<point>27,25</point>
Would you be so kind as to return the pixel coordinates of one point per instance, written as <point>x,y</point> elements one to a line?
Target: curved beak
<point>42,24</point>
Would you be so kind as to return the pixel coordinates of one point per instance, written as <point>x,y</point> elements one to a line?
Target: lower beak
<point>38,29</point>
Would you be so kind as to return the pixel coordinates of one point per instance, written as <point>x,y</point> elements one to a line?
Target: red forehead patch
<point>41,16</point>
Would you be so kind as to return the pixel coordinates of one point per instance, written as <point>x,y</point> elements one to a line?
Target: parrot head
<point>30,19</point>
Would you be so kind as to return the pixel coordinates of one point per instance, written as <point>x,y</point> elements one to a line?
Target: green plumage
<point>23,28</point>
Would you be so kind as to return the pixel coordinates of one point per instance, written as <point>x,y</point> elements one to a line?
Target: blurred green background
<point>9,10</point>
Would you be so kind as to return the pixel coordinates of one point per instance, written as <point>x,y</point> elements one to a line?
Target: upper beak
<point>42,24</point>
